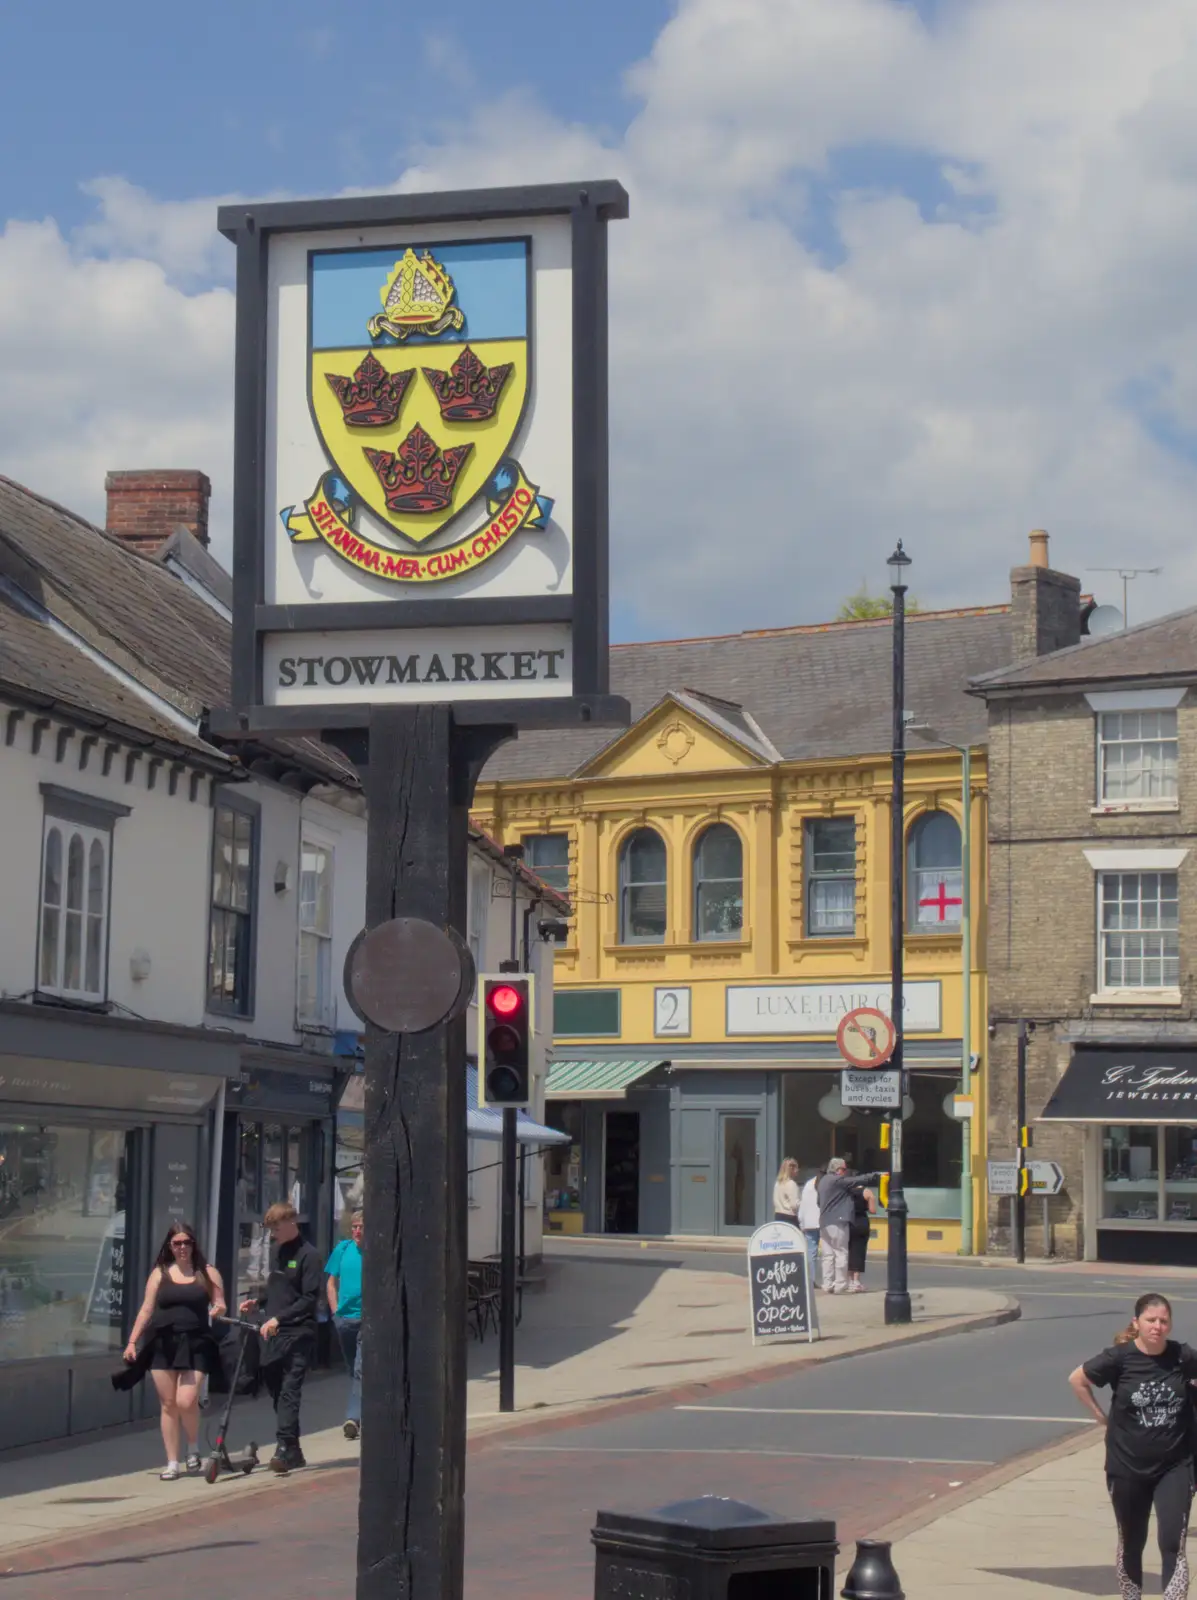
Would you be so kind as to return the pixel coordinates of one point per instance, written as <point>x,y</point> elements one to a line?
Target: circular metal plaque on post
<point>407,975</point>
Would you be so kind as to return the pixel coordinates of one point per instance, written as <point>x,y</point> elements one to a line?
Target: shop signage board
<point>1046,1177</point>
<point>1003,1177</point>
<point>819,1008</point>
<point>782,1295</point>
<point>1121,1084</point>
<point>420,505</point>
<point>870,1091</point>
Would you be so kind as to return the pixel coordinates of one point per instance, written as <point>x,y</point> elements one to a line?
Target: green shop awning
<point>595,1080</point>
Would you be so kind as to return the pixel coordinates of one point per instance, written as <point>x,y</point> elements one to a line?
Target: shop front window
<point>1131,1174</point>
<point>816,1125</point>
<point>276,1162</point>
<point>1180,1174</point>
<point>62,1240</point>
<point>563,1162</point>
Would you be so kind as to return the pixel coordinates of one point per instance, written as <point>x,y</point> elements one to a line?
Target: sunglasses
<point>180,1244</point>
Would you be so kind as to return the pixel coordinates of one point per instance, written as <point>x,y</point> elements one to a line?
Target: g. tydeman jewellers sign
<point>1139,1084</point>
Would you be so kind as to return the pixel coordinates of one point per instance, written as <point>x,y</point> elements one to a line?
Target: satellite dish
<point>1106,619</point>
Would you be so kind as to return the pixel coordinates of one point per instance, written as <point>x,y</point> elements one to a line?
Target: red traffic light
<point>505,1000</point>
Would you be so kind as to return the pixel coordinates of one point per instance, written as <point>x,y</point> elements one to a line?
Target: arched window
<point>718,883</point>
<point>934,894</point>
<point>72,957</point>
<point>642,888</point>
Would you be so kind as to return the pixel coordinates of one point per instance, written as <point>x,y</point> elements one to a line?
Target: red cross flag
<point>939,899</point>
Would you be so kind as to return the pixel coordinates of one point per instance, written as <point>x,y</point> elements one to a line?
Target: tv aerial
<point>1126,574</point>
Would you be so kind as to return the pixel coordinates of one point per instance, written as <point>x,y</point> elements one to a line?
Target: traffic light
<point>505,1025</point>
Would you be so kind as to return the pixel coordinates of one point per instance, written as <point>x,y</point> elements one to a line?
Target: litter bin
<point>712,1548</point>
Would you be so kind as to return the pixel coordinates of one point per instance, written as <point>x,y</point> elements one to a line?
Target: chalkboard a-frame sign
<point>420,458</point>
<point>782,1294</point>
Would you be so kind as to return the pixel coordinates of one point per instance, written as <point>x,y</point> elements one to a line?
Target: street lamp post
<point>966,974</point>
<point>897,1292</point>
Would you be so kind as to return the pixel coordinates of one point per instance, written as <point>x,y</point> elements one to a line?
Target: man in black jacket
<point>289,1331</point>
<point>835,1190</point>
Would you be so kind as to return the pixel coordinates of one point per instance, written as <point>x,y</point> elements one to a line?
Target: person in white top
<point>785,1192</point>
<point>808,1221</point>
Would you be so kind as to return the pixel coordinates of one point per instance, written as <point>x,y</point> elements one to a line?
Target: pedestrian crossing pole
<point>1018,1201</point>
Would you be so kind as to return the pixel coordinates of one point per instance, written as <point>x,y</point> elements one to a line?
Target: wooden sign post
<point>420,572</point>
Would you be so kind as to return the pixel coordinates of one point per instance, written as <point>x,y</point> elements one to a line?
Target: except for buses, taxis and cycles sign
<point>421,463</point>
<point>866,1038</point>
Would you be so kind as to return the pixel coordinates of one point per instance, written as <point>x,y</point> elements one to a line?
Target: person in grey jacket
<point>836,1205</point>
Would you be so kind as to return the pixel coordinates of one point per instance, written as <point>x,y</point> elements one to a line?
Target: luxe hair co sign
<point>420,488</point>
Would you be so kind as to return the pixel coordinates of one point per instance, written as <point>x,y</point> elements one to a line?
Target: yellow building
<point>728,862</point>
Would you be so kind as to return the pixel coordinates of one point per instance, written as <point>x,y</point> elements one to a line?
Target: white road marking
<point>797,1455</point>
<point>934,1416</point>
<point>1078,1294</point>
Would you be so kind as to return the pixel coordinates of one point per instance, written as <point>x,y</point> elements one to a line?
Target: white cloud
<point>953,373</point>
<point>107,365</point>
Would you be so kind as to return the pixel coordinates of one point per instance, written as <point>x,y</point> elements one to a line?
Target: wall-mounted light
<point>282,877</point>
<point>139,965</point>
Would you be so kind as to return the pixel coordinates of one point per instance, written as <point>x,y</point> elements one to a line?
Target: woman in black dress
<point>863,1206</point>
<point>182,1294</point>
<point>1149,1444</point>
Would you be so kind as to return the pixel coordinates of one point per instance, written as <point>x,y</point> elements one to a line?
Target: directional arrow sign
<point>1047,1177</point>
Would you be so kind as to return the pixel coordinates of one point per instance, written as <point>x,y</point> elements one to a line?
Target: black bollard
<point>872,1575</point>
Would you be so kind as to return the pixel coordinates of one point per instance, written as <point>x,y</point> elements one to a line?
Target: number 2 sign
<point>671,1013</point>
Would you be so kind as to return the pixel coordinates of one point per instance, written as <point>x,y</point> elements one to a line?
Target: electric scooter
<point>220,1460</point>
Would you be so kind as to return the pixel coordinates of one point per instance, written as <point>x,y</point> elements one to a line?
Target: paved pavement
<point>941,1418</point>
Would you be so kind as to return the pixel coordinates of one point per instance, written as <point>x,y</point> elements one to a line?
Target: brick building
<point>1093,921</point>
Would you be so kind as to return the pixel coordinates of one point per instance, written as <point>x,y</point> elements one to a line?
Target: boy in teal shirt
<point>344,1269</point>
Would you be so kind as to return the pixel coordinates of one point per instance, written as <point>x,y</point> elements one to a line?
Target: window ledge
<point>932,941</point>
<point>1119,808</point>
<point>686,947</point>
<point>828,941</point>
<point>1137,997</point>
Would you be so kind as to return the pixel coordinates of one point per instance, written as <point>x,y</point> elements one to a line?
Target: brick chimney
<point>145,507</point>
<point>1045,605</point>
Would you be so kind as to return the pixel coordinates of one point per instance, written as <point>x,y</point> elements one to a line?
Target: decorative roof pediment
<point>685,732</point>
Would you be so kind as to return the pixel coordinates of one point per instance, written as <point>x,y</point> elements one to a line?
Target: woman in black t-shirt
<point>1149,1446</point>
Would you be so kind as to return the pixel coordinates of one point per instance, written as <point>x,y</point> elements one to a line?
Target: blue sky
<point>916,268</point>
<point>251,96</point>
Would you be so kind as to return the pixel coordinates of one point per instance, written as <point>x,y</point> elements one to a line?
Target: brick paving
<point>528,1518</point>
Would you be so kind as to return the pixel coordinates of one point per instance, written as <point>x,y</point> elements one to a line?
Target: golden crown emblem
<point>416,298</point>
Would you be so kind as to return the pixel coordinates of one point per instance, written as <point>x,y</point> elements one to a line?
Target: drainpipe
<point>966,1019</point>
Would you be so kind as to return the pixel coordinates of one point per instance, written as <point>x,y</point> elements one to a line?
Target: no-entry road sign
<point>866,1038</point>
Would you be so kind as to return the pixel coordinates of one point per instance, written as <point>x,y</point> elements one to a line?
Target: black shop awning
<point>1121,1083</point>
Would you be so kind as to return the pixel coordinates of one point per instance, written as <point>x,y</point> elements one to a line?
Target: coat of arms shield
<point>418,380</point>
